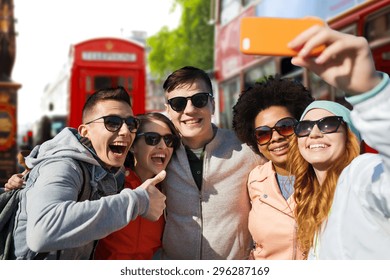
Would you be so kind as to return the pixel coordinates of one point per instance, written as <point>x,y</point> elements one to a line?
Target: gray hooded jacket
<point>50,218</point>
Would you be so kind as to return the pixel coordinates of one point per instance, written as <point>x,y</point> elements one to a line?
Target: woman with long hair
<point>326,142</point>
<point>152,149</point>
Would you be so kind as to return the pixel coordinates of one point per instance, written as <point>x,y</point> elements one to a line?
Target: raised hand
<point>346,62</point>
<point>156,198</point>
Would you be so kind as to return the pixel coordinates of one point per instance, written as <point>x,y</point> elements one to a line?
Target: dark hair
<point>186,75</point>
<point>272,91</point>
<point>155,116</point>
<point>148,118</point>
<point>118,94</point>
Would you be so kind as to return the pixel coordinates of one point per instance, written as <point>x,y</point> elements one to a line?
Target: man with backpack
<point>73,194</point>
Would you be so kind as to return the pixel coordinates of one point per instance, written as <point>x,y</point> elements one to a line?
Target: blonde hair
<point>314,200</point>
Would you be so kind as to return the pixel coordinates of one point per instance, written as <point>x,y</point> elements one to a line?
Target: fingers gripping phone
<point>270,36</point>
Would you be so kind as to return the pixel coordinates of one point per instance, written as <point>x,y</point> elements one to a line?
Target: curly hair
<point>272,91</point>
<point>314,200</point>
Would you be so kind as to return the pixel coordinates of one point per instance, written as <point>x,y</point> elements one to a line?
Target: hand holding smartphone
<point>270,36</point>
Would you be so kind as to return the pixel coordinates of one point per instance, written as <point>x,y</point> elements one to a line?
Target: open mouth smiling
<point>118,147</point>
<point>158,158</point>
<point>280,148</point>
<point>317,146</point>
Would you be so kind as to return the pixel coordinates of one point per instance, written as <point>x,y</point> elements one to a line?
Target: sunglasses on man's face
<point>199,100</point>
<point>284,127</point>
<point>325,125</point>
<point>153,138</point>
<point>114,123</point>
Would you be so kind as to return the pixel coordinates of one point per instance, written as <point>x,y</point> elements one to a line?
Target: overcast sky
<point>46,29</point>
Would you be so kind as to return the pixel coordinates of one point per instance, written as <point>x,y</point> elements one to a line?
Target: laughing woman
<point>151,151</point>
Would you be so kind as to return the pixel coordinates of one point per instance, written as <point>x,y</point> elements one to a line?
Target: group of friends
<point>288,182</point>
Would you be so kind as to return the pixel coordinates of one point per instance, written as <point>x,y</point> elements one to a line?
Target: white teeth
<point>315,146</point>
<point>159,155</point>
<point>279,149</point>
<point>119,144</point>
<point>158,158</point>
<point>191,121</point>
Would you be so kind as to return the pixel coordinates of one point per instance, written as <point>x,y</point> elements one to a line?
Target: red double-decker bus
<point>93,64</point>
<point>234,71</point>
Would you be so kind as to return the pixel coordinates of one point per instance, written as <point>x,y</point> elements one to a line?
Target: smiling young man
<point>87,162</point>
<point>207,199</point>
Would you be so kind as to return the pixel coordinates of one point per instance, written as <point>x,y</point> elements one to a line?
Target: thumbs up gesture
<point>156,198</point>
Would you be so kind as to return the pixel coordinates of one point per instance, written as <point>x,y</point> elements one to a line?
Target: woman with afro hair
<point>264,118</point>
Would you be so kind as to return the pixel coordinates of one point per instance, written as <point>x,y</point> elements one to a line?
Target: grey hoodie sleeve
<point>56,221</point>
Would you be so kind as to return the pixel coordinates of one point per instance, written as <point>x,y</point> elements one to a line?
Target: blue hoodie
<point>50,218</point>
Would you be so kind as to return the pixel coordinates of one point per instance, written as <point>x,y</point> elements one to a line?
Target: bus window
<point>231,91</point>
<point>296,75</point>
<point>259,72</point>
<point>247,2</point>
<point>57,124</point>
<point>229,10</point>
<point>350,29</point>
<point>319,88</point>
<point>286,67</point>
<point>378,27</point>
<point>290,71</point>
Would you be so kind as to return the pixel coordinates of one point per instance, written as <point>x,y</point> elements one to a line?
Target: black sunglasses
<point>199,100</point>
<point>325,125</point>
<point>284,127</point>
<point>114,123</point>
<point>153,138</point>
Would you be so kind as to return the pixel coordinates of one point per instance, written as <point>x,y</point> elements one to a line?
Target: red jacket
<point>139,240</point>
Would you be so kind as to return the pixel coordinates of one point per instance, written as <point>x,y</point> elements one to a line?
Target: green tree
<point>191,43</point>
